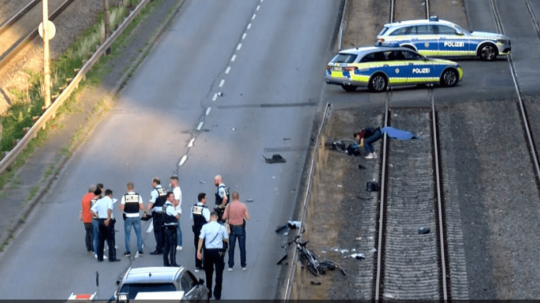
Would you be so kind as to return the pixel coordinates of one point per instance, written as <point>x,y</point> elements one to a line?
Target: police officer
<point>102,209</point>
<point>131,204</point>
<point>95,220</point>
<point>169,230</point>
<point>222,196</point>
<point>158,196</point>
<point>214,236</point>
<point>200,215</point>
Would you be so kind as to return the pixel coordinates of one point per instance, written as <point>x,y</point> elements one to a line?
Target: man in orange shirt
<point>237,213</point>
<point>86,217</point>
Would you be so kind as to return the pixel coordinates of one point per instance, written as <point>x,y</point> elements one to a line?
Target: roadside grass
<point>29,104</point>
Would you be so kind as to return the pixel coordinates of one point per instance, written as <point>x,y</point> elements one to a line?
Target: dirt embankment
<point>341,214</point>
<point>69,25</point>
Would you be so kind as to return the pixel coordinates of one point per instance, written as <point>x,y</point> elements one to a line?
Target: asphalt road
<point>270,96</point>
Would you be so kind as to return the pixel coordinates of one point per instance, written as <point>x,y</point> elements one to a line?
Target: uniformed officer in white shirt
<point>169,231</point>
<point>102,209</point>
<point>214,235</point>
<point>158,196</point>
<point>178,200</point>
<point>131,204</point>
<point>200,215</point>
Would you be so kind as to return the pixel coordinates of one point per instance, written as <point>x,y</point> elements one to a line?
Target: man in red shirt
<point>236,213</point>
<point>86,217</point>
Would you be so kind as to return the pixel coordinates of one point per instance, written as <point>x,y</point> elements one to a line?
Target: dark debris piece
<point>423,230</point>
<point>282,259</point>
<point>282,229</point>
<point>315,283</point>
<point>276,158</point>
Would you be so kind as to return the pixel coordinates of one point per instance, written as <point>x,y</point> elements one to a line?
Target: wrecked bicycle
<point>311,261</point>
<point>346,146</point>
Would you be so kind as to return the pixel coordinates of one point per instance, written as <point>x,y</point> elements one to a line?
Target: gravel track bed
<point>411,269</point>
<point>489,176</point>
<point>8,8</point>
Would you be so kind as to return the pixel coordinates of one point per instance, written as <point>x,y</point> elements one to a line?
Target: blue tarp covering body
<point>398,133</point>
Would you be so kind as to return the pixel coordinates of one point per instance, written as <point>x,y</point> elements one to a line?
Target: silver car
<point>440,38</point>
<point>155,282</point>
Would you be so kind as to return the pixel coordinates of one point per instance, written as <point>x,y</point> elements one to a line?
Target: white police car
<point>379,66</point>
<point>439,38</point>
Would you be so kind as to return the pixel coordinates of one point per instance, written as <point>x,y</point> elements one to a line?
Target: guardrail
<point>51,111</point>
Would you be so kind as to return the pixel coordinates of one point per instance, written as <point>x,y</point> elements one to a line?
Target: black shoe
<point>141,254</point>
<point>100,260</point>
<point>127,254</point>
<point>156,252</point>
<point>114,260</point>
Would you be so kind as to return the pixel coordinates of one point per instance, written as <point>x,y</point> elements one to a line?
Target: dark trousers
<point>240,233</point>
<point>368,141</point>
<point>158,230</point>
<point>106,233</point>
<point>89,238</point>
<point>169,247</point>
<point>196,233</point>
<point>212,257</point>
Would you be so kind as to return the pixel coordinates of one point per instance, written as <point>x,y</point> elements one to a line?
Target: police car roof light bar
<point>433,18</point>
<point>387,44</point>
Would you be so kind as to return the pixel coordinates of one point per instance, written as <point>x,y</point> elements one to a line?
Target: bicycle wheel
<point>308,264</point>
<point>342,144</point>
<point>329,265</point>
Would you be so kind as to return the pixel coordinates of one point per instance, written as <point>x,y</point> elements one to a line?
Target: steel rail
<point>439,196</point>
<point>513,72</point>
<point>382,201</point>
<point>22,42</point>
<point>18,16</point>
<point>51,111</point>
<point>533,17</point>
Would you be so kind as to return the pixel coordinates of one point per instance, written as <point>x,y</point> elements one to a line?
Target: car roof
<point>152,275</point>
<point>417,22</point>
<point>362,51</point>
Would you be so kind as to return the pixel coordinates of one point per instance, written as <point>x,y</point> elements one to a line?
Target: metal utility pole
<point>107,29</point>
<point>46,59</point>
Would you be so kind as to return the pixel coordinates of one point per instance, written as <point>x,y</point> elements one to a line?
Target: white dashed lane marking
<point>215,97</point>
<point>208,110</point>
<point>222,82</point>
<point>239,46</point>
<point>249,26</point>
<point>233,58</point>
<point>184,158</point>
<point>254,15</point>
<point>228,70</point>
<point>258,6</point>
<point>191,142</point>
<point>244,36</point>
<point>200,125</point>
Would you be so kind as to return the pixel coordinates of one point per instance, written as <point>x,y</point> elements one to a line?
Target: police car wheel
<point>449,77</point>
<point>349,88</point>
<point>378,83</point>
<point>488,52</point>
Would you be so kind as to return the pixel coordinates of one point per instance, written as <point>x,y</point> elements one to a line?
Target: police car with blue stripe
<point>440,38</point>
<point>379,66</point>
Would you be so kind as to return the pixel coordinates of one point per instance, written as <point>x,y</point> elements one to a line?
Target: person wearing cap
<point>86,217</point>
<point>131,204</point>
<point>214,235</point>
<point>178,206</point>
<point>158,196</point>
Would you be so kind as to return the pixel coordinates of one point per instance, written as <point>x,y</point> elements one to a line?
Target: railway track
<point>411,263</point>
<point>17,32</point>
<point>521,104</point>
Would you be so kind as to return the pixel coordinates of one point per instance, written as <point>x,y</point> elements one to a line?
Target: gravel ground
<point>8,8</point>
<point>69,25</point>
<point>338,219</point>
<point>365,20</point>
<point>489,174</point>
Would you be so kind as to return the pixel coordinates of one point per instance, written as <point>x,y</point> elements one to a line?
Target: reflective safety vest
<point>198,218</point>
<point>132,203</point>
<point>169,220</point>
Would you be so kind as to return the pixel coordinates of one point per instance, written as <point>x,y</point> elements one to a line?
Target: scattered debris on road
<point>276,158</point>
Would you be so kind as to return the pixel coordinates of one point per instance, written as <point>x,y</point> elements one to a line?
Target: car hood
<point>441,61</point>
<point>488,35</point>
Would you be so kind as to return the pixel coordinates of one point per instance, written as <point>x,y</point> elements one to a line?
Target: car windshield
<point>464,31</point>
<point>344,58</point>
<point>133,289</point>
<point>383,31</point>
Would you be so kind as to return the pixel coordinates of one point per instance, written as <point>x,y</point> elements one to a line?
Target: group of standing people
<point>214,231</point>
